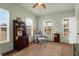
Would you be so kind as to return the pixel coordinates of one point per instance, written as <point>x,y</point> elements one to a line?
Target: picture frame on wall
<point>19,33</point>
<point>57,26</point>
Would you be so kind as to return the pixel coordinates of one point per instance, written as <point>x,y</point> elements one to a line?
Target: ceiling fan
<point>40,5</point>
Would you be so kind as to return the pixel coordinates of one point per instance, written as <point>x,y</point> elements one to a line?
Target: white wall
<point>58,18</point>
<point>72,30</point>
<point>77,15</point>
<point>15,10</point>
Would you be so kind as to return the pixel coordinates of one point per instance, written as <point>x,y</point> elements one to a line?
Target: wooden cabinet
<point>19,35</point>
<point>56,37</point>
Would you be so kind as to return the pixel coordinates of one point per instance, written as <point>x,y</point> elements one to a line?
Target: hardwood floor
<point>46,49</point>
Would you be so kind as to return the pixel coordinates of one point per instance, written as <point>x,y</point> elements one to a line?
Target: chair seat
<point>41,38</point>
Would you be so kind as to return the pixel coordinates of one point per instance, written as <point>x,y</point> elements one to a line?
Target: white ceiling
<point>51,8</point>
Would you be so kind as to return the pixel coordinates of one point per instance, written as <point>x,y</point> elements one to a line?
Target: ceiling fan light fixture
<point>40,2</point>
<point>40,5</point>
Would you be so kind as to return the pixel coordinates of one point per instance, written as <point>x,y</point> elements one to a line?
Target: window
<point>4,26</point>
<point>48,28</point>
<point>29,26</point>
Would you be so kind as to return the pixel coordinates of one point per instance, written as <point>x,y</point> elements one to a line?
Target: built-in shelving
<point>70,30</point>
<point>66,27</point>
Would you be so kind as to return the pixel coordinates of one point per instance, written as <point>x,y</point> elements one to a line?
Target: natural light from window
<point>29,26</point>
<point>47,27</point>
<point>4,26</point>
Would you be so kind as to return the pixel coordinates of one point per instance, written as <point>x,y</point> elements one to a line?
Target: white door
<point>72,30</point>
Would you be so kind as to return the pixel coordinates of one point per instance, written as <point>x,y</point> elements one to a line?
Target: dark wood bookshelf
<point>20,37</point>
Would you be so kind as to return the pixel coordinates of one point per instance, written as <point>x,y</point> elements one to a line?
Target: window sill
<point>4,41</point>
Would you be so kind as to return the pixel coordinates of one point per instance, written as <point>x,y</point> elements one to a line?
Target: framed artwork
<point>57,26</point>
<point>19,33</point>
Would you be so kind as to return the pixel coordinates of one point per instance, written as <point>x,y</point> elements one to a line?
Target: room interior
<point>21,23</point>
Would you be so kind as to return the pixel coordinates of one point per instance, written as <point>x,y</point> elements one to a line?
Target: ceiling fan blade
<point>35,5</point>
<point>44,6</point>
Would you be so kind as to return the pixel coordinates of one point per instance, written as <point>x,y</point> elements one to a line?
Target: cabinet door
<point>56,38</point>
<point>20,44</point>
